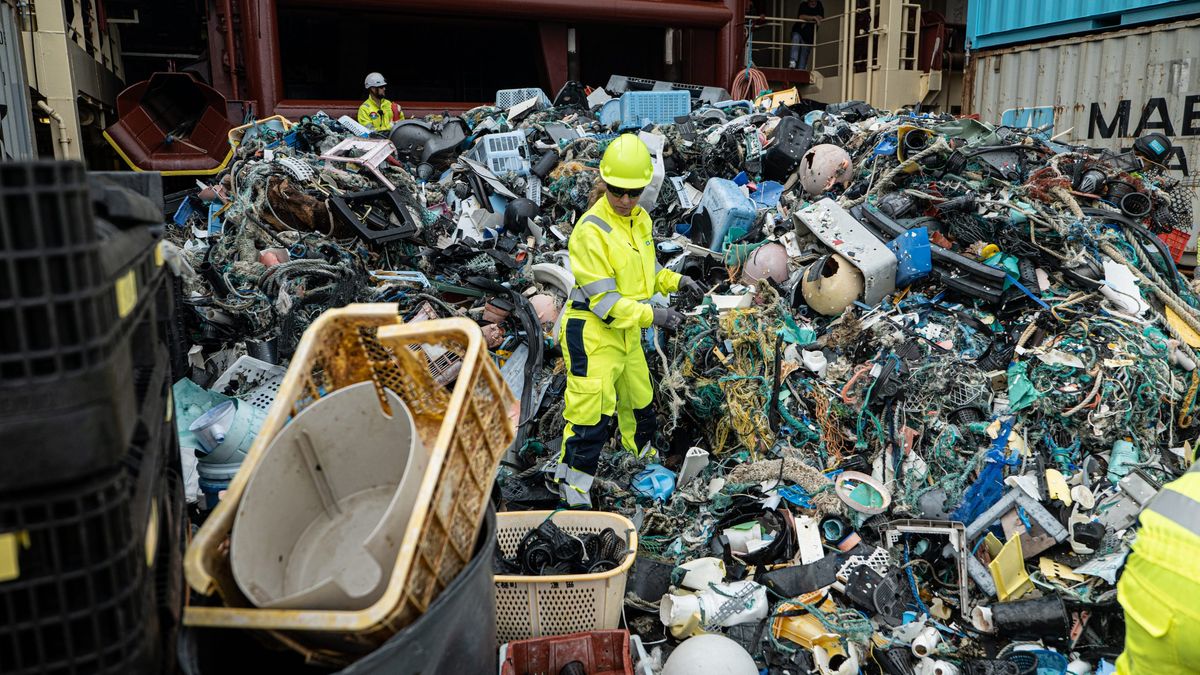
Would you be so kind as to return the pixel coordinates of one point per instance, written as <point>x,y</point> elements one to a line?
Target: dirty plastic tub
<point>319,522</point>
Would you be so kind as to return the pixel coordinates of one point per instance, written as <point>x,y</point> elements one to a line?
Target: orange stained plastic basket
<point>467,430</point>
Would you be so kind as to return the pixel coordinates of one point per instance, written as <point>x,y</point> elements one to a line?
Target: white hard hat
<point>374,80</point>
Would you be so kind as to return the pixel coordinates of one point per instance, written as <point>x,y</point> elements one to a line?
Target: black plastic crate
<point>70,283</point>
<point>53,316</point>
<point>792,139</point>
<point>102,407</point>
<point>59,372</point>
<point>81,601</point>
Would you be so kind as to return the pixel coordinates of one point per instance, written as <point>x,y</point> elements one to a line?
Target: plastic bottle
<point>1123,455</point>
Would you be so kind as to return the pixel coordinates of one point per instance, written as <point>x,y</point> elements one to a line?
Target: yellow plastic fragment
<point>1191,337</point>
<point>1056,570</point>
<point>1008,571</point>
<point>127,293</point>
<point>10,545</point>
<point>1056,485</point>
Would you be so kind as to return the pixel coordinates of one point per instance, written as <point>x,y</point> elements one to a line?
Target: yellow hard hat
<point>626,163</point>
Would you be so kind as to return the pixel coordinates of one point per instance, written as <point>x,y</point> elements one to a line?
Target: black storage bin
<point>457,634</point>
<point>792,139</point>
<point>79,604</point>
<point>80,303</point>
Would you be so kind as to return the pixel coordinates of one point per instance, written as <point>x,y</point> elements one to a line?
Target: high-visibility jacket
<point>1160,585</point>
<point>616,272</point>
<point>613,260</point>
<point>376,117</point>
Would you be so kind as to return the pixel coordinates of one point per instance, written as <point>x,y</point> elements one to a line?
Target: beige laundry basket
<point>528,607</point>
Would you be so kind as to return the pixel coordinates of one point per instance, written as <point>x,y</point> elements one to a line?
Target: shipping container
<point>16,122</point>
<point>1102,91</point>
<point>996,23</point>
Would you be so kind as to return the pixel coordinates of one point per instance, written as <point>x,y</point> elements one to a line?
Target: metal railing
<point>775,50</point>
<point>771,41</point>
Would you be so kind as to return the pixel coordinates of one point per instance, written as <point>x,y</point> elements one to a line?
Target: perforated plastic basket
<point>528,607</point>
<point>659,107</point>
<point>503,153</point>
<point>251,380</point>
<point>507,98</point>
<point>467,429</point>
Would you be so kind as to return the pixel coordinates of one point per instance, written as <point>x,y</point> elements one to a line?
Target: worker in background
<point>804,33</point>
<point>377,113</point>
<point>613,258</point>
<point>1160,586</point>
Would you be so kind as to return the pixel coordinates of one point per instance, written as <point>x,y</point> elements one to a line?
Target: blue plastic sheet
<point>989,487</point>
<point>767,194</point>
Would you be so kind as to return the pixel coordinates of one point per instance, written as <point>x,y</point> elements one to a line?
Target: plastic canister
<point>1124,455</point>
<point>730,211</point>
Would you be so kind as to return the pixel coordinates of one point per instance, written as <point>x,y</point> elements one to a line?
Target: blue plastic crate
<point>731,213</point>
<point>659,107</point>
<point>503,153</point>
<point>507,98</point>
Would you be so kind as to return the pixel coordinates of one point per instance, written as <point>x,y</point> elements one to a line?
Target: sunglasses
<point>621,192</point>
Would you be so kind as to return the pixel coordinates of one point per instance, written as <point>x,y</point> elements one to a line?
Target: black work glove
<point>667,317</point>
<point>690,286</point>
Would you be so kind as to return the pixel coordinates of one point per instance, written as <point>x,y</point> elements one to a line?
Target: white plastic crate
<point>507,98</point>
<point>502,153</point>
<point>528,607</point>
<point>259,381</point>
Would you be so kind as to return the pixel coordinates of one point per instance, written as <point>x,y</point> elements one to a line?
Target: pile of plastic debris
<point>940,366</point>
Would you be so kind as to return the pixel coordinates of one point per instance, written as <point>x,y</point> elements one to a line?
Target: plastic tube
<point>926,642</point>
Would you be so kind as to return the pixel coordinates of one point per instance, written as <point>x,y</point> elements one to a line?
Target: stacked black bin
<point>91,498</point>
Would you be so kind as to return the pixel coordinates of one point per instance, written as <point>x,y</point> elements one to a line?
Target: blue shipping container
<point>996,23</point>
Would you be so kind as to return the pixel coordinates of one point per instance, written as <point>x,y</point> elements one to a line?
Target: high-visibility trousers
<point>1160,585</point>
<point>606,374</point>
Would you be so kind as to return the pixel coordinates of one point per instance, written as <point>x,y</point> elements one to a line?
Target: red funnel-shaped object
<point>172,123</point>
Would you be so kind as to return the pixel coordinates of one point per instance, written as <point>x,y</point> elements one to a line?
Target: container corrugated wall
<point>16,126</point>
<point>1102,91</point>
<point>995,23</point>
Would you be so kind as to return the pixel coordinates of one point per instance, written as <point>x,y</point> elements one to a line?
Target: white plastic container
<point>317,526</point>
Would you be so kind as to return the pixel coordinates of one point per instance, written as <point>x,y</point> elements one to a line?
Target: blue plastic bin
<point>659,107</point>
<point>731,213</point>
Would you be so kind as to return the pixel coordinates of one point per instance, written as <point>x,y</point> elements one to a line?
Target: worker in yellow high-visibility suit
<point>1160,587</point>
<point>377,113</point>
<point>616,273</point>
